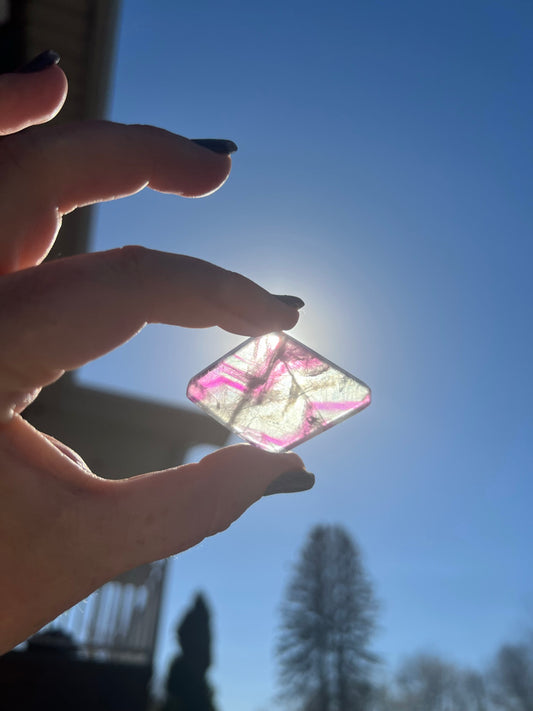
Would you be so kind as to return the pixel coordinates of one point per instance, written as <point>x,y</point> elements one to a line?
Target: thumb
<point>159,514</point>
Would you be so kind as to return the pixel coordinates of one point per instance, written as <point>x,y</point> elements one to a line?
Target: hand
<point>63,530</point>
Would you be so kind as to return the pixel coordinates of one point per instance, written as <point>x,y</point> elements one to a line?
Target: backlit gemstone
<point>276,393</point>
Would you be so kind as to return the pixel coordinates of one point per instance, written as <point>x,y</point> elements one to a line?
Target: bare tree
<point>425,682</point>
<point>511,677</point>
<point>327,620</point>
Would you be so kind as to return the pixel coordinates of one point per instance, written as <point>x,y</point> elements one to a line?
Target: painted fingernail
<point>217,145</point>
<point>42,61</point>
<point>291,482</point>
<point>293,301</point>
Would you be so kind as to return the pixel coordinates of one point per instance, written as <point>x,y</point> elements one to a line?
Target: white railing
<point>118,621</point>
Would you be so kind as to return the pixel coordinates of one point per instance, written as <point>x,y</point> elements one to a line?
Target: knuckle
<point>131,262</point>
<point>132,257</point>
<point>24,153</point>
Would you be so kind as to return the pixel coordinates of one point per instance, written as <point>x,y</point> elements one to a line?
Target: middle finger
<point>47,172</point>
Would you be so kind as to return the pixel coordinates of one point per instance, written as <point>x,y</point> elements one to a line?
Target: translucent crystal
<point>276,393</point>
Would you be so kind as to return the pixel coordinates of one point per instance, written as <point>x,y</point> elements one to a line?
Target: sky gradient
<point>384,175</point>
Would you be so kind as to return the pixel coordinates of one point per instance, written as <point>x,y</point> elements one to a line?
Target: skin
<point>63,530</point>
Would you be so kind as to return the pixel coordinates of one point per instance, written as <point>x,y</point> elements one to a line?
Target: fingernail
<point>291,482</point>
<point>42,61</point>
<point>293,301</point>
<point>217,145</point>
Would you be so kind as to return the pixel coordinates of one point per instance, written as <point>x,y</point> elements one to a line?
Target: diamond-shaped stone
<point>276,393</point>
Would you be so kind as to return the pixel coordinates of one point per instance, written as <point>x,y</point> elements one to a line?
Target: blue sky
<point>384,175</point>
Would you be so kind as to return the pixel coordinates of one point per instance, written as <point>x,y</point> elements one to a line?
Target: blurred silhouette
<point>327,620</point>
<point>54,641</point>
<point>511,677</point>
<point>187,687</point>
<point>53,673</point>
<point>425,682</point>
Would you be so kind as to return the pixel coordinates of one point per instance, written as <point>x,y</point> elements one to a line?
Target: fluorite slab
<point>276,393</point>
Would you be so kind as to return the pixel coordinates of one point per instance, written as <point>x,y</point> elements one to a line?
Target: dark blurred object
<point>55,641</point>
<point>187,687</point>
<point>50,677</point>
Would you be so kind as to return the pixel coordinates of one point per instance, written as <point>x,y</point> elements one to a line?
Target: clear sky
<point>384,175</point>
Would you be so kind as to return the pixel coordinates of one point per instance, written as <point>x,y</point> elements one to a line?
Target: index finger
<point>64,313</point>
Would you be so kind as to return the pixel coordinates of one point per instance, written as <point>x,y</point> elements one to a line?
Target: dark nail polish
<point>42,61</point>
<point>291,482</point>
<point>293,301</point>
<point>217,145</point>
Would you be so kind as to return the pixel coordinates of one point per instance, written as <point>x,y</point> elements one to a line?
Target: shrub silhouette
<point>187,686</point>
